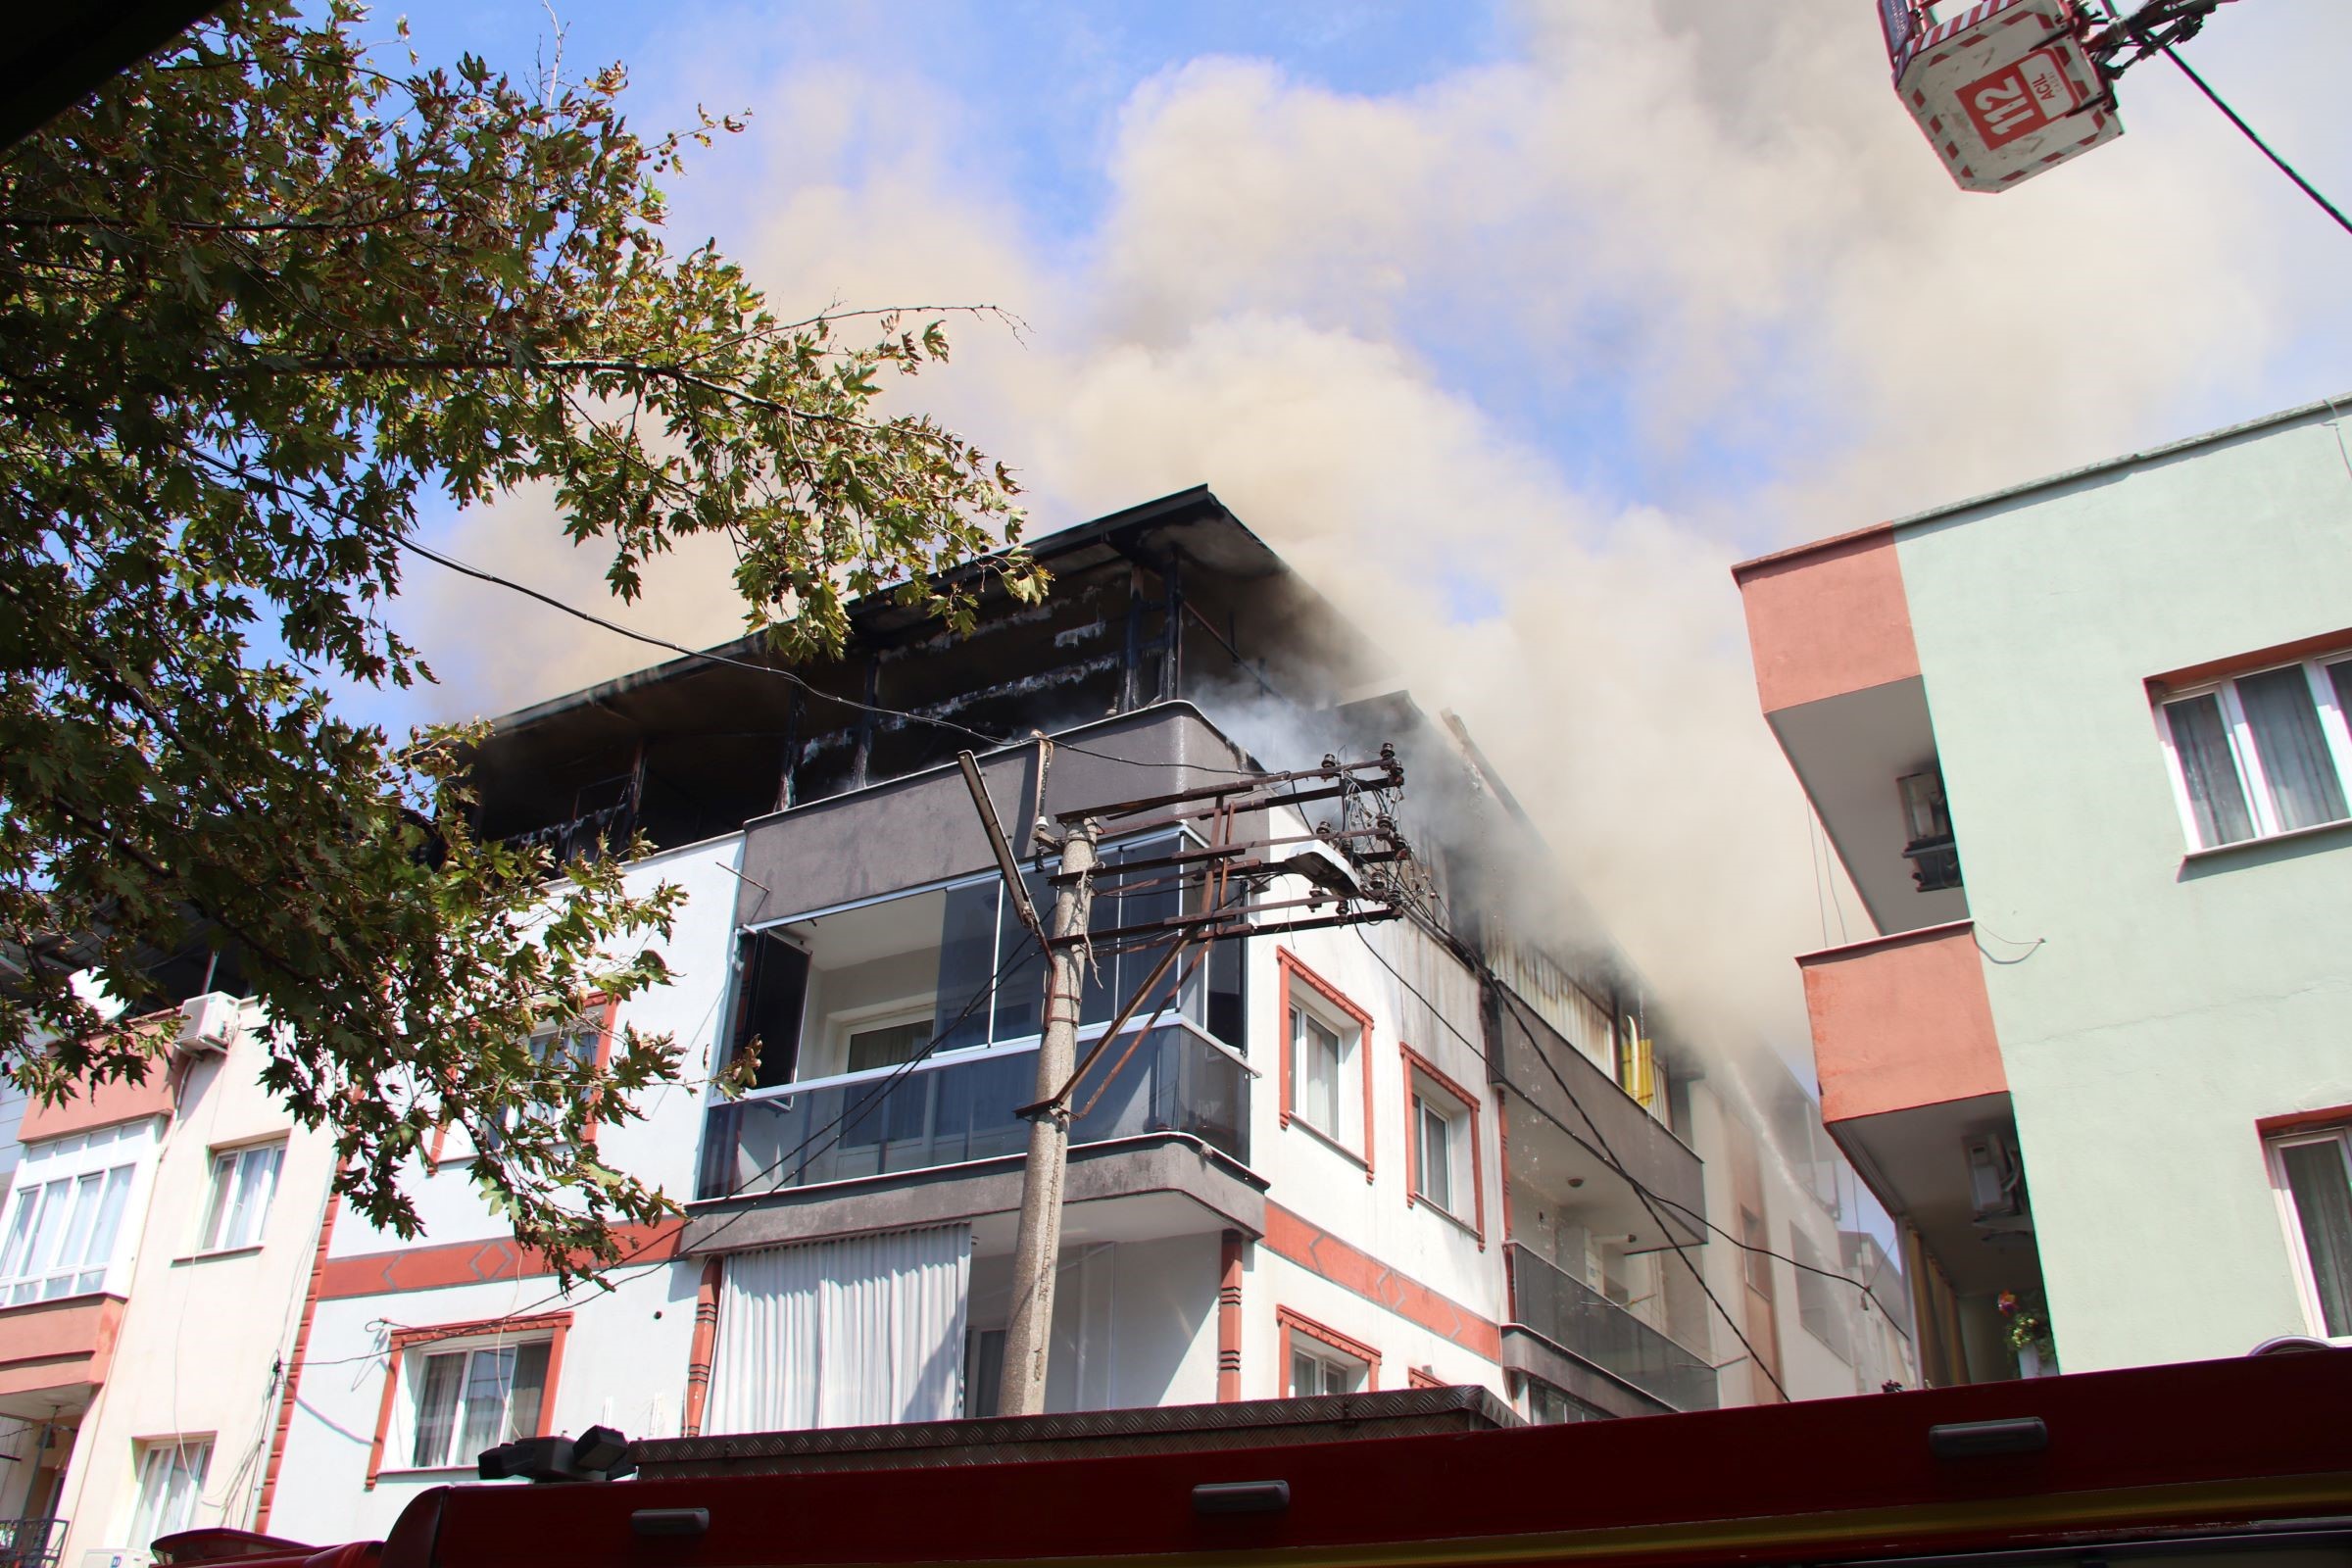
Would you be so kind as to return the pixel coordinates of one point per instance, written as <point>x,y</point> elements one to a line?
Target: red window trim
<point>2301,651</point>
<point>2295,1121</point>
<point>1416,1063</point>
<point>1293,1323</point>
<point>556,1325</point>
<point>607,1009</point>
<point>1287,965</point>
<point>1421,1377</point>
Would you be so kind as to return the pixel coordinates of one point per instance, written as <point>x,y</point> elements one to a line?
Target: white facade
<point>349,1464</point>
<point>172,1285</point>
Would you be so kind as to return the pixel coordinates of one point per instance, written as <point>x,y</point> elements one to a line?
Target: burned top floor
<point>1171,599</point>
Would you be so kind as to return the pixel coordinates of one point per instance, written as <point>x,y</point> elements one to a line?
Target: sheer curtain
<point>2303,787</point>
<point>2209,773</point>
<point>2317,1175</point>
<point>838,1333</point>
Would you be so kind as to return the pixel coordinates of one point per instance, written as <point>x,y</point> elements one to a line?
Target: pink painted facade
<point>1901,1022</point>
<point>51,1344</point>
<point>1827,618</point>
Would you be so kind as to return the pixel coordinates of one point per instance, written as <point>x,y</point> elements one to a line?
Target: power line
<point>995,742</point>
<point>1601,1139</point>
<point>1629,1177</point>
<point>879,1091</point>
<point>2284,168</point>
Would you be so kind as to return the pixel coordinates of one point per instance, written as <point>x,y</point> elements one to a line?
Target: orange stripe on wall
<point>429,1268</point>
<point>1316,1248</point>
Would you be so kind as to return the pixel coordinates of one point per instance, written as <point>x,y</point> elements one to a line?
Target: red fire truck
<point>2222,1461</point>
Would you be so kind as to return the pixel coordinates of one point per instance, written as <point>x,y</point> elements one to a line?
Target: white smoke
<point>1711,225</point>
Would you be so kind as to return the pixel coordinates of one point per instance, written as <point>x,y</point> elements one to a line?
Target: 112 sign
<point>2020,99</point>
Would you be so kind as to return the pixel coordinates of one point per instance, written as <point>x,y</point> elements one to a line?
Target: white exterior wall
<point>203,1333</point>
<point>625,1351</point>
<point>624,1363</point>
<point>1330,1191</point>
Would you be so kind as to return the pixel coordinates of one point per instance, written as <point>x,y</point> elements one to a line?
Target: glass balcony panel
<point>952,1109</point>
<point>1579,1318</point>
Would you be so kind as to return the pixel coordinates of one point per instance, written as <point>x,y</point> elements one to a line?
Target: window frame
<point>2278,1136</point>
<point>1418,1071</point>
<point>144,1452</point>
<point>401,1370</point>
<point>208,1244</point>
<point>1324,1340</point>
<point>2252,776</point>
<point>1298,986</point>
<point>600,1012</point>
<point>66,1161</point>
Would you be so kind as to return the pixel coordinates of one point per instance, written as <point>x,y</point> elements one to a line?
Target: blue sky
<point>1511,325</point>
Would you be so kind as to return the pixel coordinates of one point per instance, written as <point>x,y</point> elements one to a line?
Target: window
<point>2312,1173</point>
<point>1753,1239</point>
<point>470,1399</point>
<point>1325,1080</point>
<point>1319,1360</point>
<point>1442,1157</point>
<point>889,1046</point>
<point>1316,1370</point>
<point>454,1390</point>
<point>61,1237</point>
<point>1548,1406</point>
<point>1318,1062</point>
<point>1441,1142</point>
<point>170,1486</point>
<point>959,957</point>
<point>1819,1305</point>
<point>244,1180</point>
<point>559,1050</point>
<point>2262,753</point>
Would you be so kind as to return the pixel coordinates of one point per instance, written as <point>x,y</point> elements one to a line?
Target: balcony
<point>960,1107</point>
<point>31,1542</point>
<point>56,1354</point>
<point>1571,1128</point>
<point>1565,1314</point>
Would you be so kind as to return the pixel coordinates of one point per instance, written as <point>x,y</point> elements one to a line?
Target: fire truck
<point>2223,1462</point>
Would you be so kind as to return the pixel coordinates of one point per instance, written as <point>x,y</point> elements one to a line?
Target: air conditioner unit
<point>1996,1185</point>
<point>212,1022</point>
<point>114,1557</point>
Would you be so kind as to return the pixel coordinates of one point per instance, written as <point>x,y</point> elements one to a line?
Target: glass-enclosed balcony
<point>1586,1324</point>
<point>959,1106</point>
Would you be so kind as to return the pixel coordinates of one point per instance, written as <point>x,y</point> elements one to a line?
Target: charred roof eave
<point>1190,526</point>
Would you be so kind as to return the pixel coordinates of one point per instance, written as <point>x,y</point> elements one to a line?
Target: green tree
<point>260,300</point>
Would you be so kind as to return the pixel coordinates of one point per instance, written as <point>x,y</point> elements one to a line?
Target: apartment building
<point>1440,1149</point>
<point>2080,746</point>
<point>153,1257</point>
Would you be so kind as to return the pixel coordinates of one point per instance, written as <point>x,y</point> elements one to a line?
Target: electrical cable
<point>994,742</point>
<point>2284,168</point>
<point>1608,1157</point>
<point>879,1091</point>
<point>1632,1180</point>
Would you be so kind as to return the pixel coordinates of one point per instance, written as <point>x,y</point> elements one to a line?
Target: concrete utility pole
<point>1037,1249</point>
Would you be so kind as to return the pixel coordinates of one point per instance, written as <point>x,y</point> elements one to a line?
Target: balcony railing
<point>30,1542</point>
<point>1578,1319</point>
<point>960,1106</point>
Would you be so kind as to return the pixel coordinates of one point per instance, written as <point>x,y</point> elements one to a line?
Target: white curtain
<point>842,1333</point>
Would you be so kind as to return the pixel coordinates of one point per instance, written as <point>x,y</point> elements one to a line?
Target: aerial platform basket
<point>2005,89</point>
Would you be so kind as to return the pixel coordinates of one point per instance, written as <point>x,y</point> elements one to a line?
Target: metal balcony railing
<point>30,1542</point>
<point>960,1106</point>
<point>1579,1319</point>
